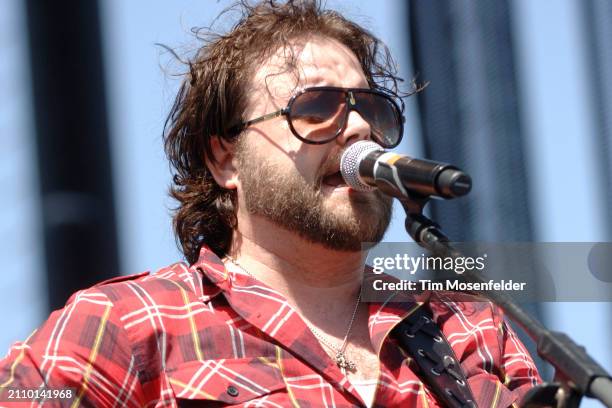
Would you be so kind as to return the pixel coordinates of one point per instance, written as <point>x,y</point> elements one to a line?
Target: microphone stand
<point>576,373</point>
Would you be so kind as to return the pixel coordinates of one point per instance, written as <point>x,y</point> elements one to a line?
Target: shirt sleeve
<point>82,347</point>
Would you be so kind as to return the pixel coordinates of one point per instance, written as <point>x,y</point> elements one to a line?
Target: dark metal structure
<point>598,25</point>
<point>470,116</point>
<point>73,145</point>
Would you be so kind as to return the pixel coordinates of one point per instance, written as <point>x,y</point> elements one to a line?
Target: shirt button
<point>232,391</point>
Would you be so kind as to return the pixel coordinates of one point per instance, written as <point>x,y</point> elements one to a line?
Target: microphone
<point>366,166</point>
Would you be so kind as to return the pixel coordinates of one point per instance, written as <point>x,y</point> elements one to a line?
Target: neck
<point>300,270</point>
<point>322,284</point>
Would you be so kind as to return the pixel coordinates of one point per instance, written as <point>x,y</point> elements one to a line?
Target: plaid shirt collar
<point>270,312</point>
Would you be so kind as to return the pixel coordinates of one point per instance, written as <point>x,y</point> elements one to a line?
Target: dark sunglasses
<point>318,115</point>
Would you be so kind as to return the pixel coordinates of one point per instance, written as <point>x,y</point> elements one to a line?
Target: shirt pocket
<point>225,381</point>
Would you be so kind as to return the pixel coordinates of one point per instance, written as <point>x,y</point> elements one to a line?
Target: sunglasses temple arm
<point>265,117</point>
<point>239,128</point>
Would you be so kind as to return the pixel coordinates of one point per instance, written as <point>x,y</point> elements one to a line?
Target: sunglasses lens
<point>318,115</point>
<point>383,117</point>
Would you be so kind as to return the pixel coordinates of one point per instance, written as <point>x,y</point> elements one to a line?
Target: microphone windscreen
<point>350,161</point>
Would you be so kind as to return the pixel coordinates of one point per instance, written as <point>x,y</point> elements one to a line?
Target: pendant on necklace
<point>343,363</point>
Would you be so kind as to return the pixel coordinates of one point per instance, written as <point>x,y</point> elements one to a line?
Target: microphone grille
<point>350,160</point>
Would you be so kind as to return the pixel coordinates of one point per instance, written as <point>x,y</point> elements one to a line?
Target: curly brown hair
<point>213,97</point>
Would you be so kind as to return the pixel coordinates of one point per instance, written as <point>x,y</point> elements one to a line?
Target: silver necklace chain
<point>341,361</point>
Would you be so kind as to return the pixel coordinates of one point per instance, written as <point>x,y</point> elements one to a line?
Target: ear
<point>222,167</point>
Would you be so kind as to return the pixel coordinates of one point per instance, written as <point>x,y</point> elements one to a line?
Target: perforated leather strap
<point>440,370</point>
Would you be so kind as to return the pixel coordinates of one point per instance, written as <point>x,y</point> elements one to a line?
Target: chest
<point>285,380</point>
<point>232,363</point>
<point>217,356</point>
<point>241,366</point>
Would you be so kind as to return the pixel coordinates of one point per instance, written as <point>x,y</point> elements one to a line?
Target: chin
<point>351,211</point>
<point>359,205</point>
<point>365,221</point>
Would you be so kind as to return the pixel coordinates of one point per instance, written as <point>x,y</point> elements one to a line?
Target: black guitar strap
<point>440,370</point>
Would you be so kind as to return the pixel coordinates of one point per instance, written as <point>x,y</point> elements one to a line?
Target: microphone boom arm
<point>576,372</point>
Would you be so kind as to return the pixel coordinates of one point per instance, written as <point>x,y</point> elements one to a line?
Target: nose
<point>356,129</point>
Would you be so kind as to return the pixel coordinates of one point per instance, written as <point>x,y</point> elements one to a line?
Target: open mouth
<point>334,180</point>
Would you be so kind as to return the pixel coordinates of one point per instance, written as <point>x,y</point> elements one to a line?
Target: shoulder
<point>152,311</point>
<point>468,321</point>
<point>470,318</point>
<point>170,285</point>
<point>480,335</point>
<point>141,305</point>
<point>490,352</point>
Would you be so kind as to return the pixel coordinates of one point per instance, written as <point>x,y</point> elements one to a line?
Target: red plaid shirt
<point>201,334</point>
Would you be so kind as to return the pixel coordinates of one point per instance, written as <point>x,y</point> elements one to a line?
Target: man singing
<point>267,310</point>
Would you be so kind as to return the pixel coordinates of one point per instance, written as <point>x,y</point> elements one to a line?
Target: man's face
<point>297,185</point>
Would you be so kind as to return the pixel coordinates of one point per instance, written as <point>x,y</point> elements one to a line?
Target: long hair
<point>213,97</point>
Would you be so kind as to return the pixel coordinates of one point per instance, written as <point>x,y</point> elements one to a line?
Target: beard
<point>282,195</point>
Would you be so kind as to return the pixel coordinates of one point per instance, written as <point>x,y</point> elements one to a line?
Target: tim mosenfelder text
<point>448,285</point>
